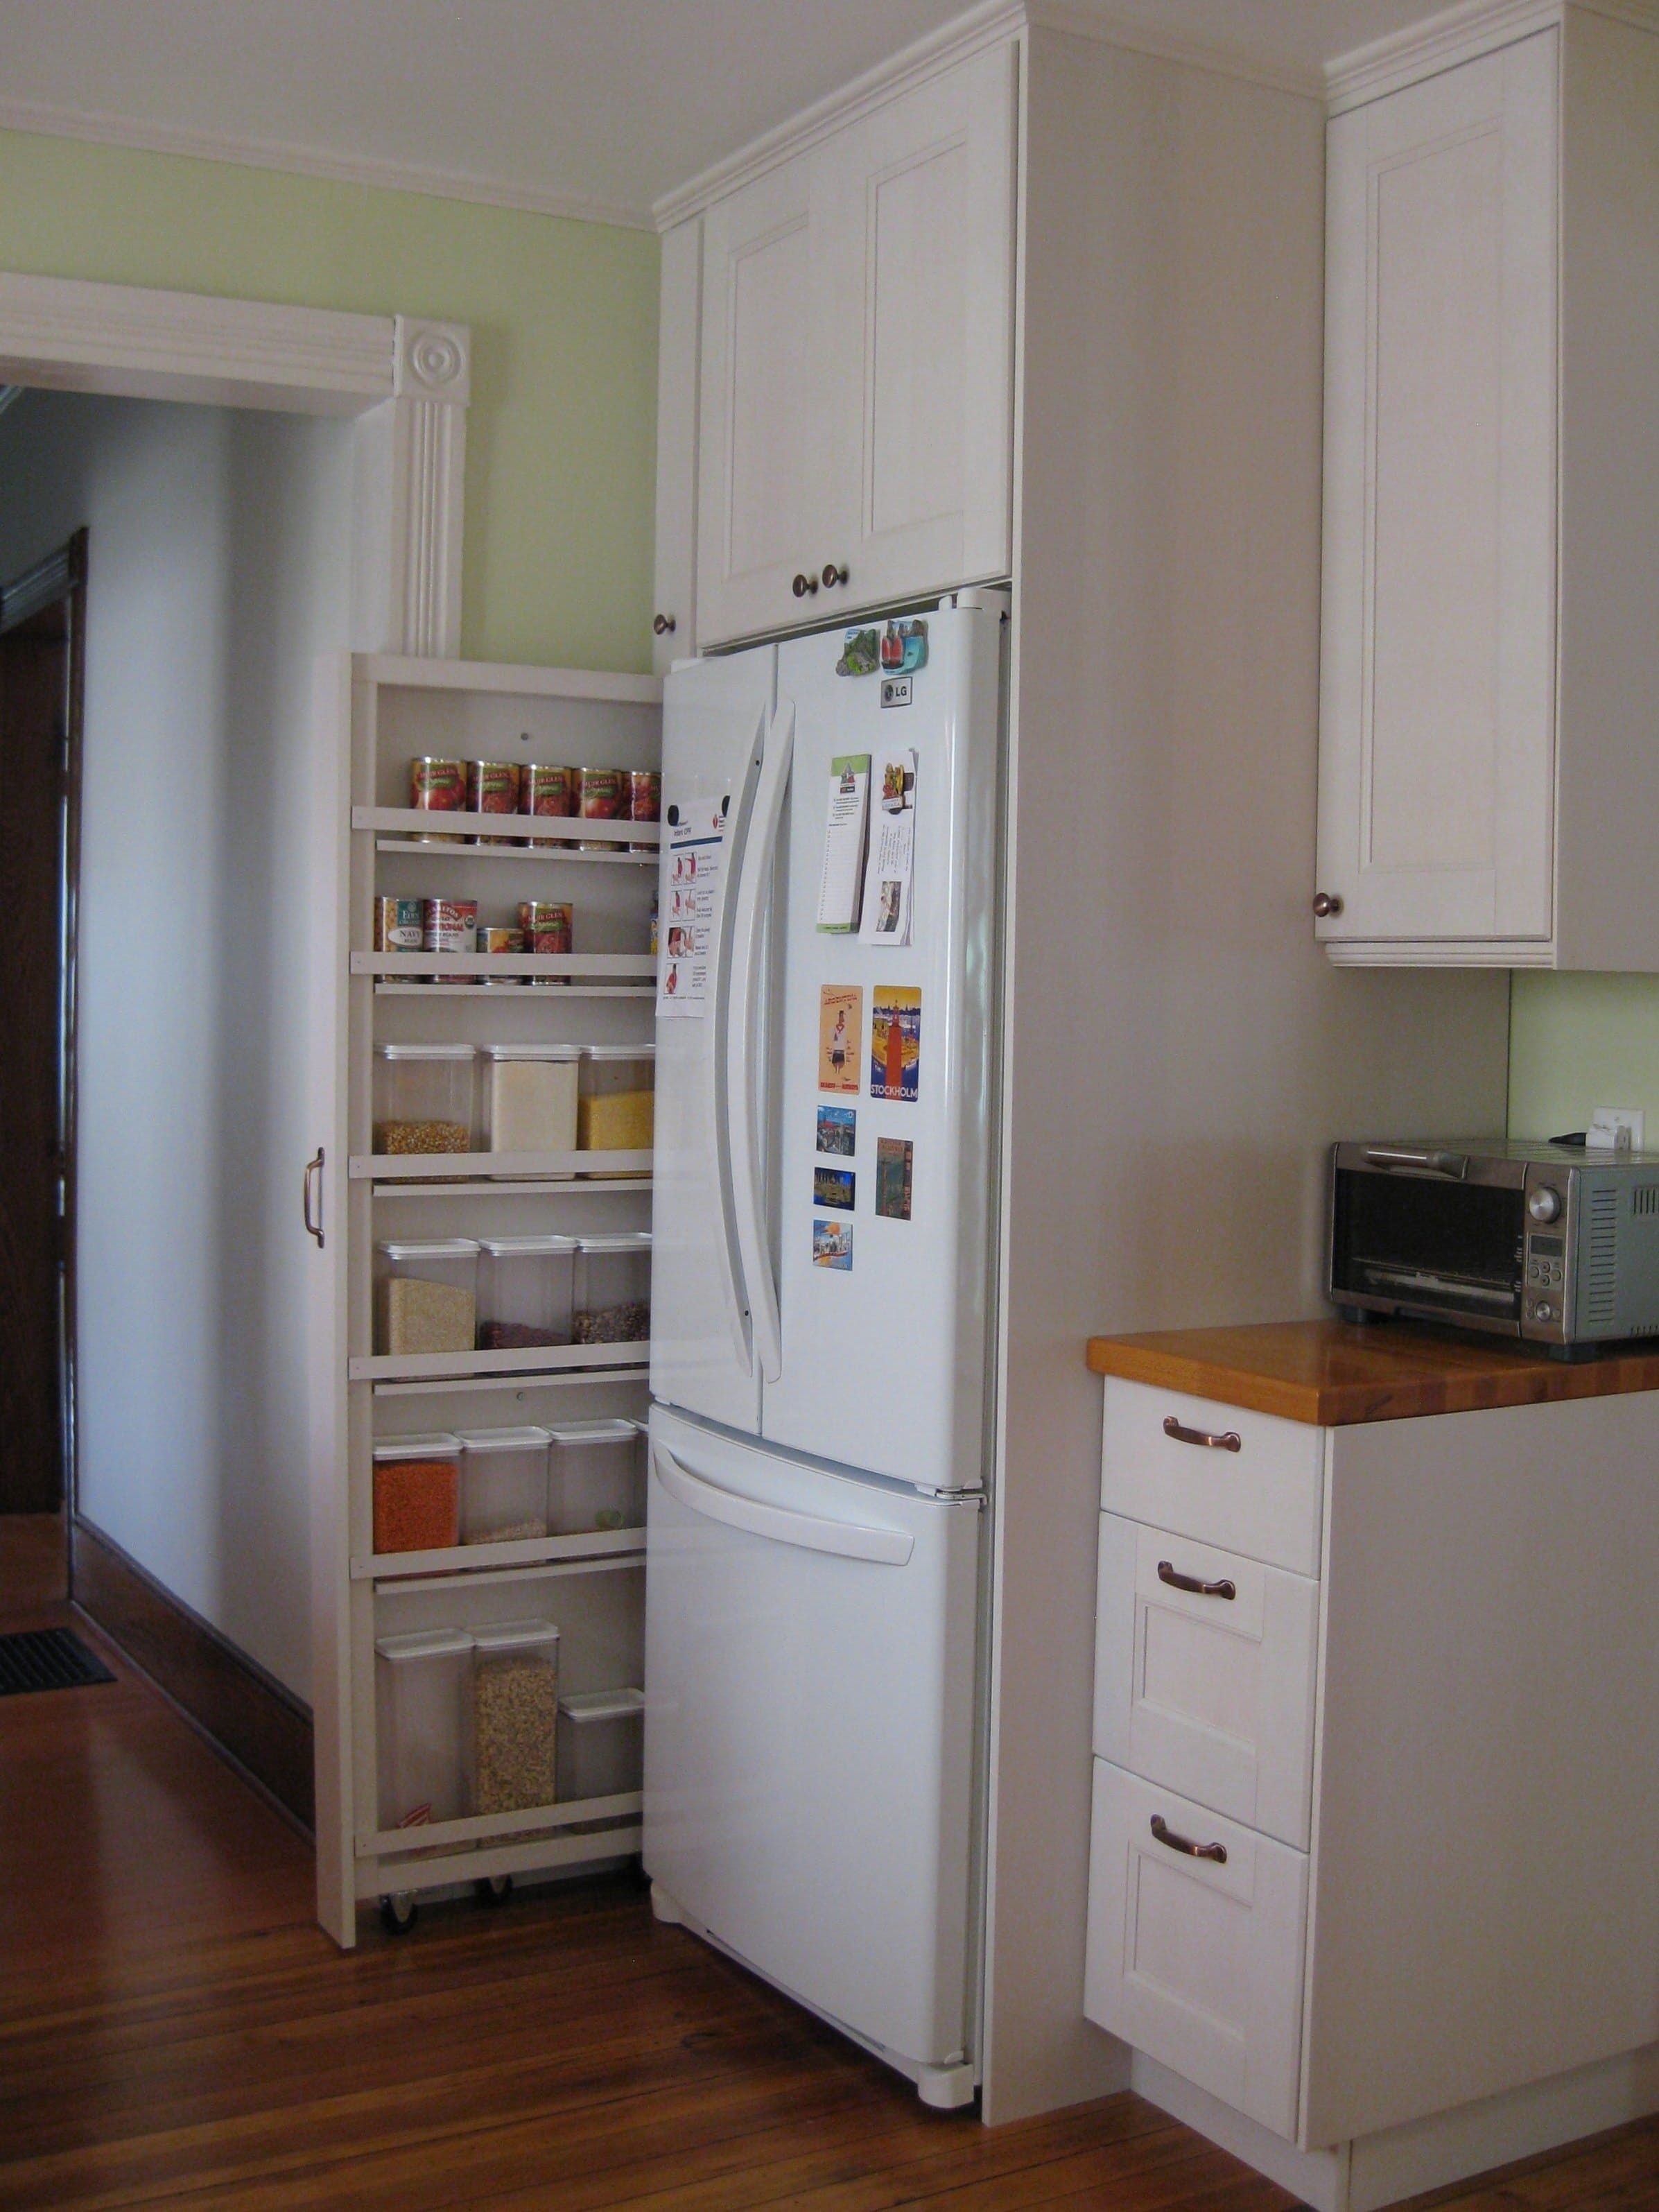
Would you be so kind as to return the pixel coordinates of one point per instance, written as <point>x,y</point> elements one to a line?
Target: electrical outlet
<point>1615,1129</point>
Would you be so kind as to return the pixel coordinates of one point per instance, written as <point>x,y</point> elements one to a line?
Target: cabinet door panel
<point>761,427</point>
<point>919,264</point>
<point>1436,759</point>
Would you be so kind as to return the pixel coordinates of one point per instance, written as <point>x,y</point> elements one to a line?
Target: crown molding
<point>1106,28</point>
<point>47,121</point>
<point>1460,34</point>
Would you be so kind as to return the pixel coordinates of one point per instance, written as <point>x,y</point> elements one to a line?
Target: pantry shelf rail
<point>588,1544</point>
<point>415,1366</point>
<point>496,965</point>
<point>417,823</point>
<point>451,1167</point>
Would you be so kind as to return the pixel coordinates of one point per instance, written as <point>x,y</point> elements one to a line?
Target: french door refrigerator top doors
<point>825,1130</point>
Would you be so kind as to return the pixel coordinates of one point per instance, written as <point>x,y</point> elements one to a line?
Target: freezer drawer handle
<point>1211,1439</point>
<point>1167,1573</point>
<point>1164,1834</point>
<point>313,1167</point>
<point>885,1547</point>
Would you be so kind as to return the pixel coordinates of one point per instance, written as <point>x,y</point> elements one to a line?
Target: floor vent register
<point>47,1659</point>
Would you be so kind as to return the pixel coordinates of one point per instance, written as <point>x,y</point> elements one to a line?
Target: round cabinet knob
<point>803,584</point>
<point>1325,905</point>
<point>663,625</point>
<point>1545,1204</point>
<point>833,575</point>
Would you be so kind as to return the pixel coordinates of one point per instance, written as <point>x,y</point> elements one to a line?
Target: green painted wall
<point>1581,1042</point>
<point>561,439</point>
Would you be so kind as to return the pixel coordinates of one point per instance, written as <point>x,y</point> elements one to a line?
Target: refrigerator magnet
<point>841,1034</point>
<point>832,1245</point>
<point>860,653</point>
<point>895,1160</point>
<point>904,647</point>
<point>895,1042</point>
<point>834,1186</point>
<point>838,1131</point>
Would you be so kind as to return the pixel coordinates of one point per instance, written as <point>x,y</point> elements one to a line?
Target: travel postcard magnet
<point>845,830</point>
<point>840,1035</point>
<point>838,1131</point>
<point>894,1163</point>
<point>832,1245</point>
<point>891,867</point>
<point>862,651</point>
<point>834,1186</point>
<point>903,645</point>
<point>895,1042</point>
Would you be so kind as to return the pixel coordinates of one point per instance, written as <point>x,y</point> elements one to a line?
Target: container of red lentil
<point>549,791</point>
<point>492,787</point>
<point>418,1487</point>
<point>645,801</point>
<point>601,796</point>
<point>437,786</point>
<point>547,928</point>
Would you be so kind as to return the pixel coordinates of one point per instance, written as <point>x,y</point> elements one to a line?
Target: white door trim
<point>407,381</point>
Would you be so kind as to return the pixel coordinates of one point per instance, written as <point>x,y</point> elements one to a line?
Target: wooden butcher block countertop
<point>1331,1374</point>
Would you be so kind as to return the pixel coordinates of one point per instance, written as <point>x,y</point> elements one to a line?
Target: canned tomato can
<point>437,786</point>
<point>546,924</point>
<point>645,800</point>
<point>492,787</point>
<point>601,796</point>
<point>399,924</point>
<point>498,941</point>
<point>449,926</point>
<point>544,790</point>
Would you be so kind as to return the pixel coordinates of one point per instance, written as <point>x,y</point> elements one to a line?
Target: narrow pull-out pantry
<point>483,1629</point>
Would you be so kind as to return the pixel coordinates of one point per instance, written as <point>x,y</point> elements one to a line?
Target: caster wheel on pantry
<point>493,1889</point>
<point>398,1914</point>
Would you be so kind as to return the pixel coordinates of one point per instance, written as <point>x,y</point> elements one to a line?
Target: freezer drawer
<point>809,1730</point>
<point>1195,1958</point>
<point>1204,1674</point>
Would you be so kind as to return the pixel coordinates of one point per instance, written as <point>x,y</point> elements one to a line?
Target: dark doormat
<point>47,1659</point>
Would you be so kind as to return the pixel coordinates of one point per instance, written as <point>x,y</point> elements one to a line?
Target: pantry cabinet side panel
<point>675,630</point>
<point>323,1207</point>
<point>1609,669</point>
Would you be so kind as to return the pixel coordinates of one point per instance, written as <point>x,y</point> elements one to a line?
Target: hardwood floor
<point>175,2031</point>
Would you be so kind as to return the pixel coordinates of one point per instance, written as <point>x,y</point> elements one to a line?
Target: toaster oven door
<point>1434,1246</point>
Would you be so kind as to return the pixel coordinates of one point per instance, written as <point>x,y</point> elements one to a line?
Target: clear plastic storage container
<point>525,1291</point>
<point>423,1097</point>
<point>596,1476</point>
<point>529,1097</point>
<point>613,1288</point>
<point>504,1485</point>
<point>515,1714</point>
<point>417,1493</point>
<point>616,1111</point>
<point>601,1744</point>
<point>426,1295</point>
<point>420,1696</point>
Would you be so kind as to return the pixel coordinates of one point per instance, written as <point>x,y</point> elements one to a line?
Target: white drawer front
<point>1196,1963</point>
<point>1207,1692</point>
<point>1261,1497</point>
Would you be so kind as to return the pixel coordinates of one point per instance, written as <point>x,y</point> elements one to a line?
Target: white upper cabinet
<point>855,410</point>
<point>674,628</point>
<point>1489,381</point>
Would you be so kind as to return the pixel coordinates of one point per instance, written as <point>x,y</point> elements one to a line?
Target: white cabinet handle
<point>781,1524</point>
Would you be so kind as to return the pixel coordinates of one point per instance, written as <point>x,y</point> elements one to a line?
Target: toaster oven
<point>1549,1243</point>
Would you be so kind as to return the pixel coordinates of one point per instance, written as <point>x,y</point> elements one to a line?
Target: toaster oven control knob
<point>1545,1204</point>
<point>1543,1311</point>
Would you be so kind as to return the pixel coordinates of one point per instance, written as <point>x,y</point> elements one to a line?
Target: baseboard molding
<point>260,1726</point>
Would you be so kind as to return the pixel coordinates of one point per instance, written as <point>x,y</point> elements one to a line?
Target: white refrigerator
<point>821,1290</point>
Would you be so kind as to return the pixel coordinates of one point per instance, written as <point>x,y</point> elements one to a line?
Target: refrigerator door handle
<point>744,1135</point>
<point>781,1524</point>
<point>734,1289</point>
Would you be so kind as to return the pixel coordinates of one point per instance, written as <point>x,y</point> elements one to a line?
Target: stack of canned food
<point>588,794</point>
<point>445,925</point>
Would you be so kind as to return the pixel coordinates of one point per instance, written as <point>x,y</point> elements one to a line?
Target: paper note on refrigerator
<point>691,878</point>
<point>892,866</point>
<point>844,842</point>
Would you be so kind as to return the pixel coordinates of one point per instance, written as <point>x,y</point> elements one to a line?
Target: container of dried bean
<point>601,796</point>
<point>398,923</point>
<point>492,787</point>
<point>601,1744</point>
<point>613,1289</point>
<point>529,1097</point>
<point>426,1295</point>
<point>449,926</point>
<point>423,1097</point>
<point>437,786</point>
<point>525,1287</point>
<point>420,1697</point>
<point>547,926</point>
<point>596,1476</point>
<point>417,1493</point>
<point>644,803</point>
<point>550,791</point>
<point>503,1485</point>
<point>515,1716</point>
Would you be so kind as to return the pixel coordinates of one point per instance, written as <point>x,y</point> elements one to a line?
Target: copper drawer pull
<point>314,1228</point>
<point>1228,1440</point>
<point>1166,1573</point>
<point>1164,1834</point>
